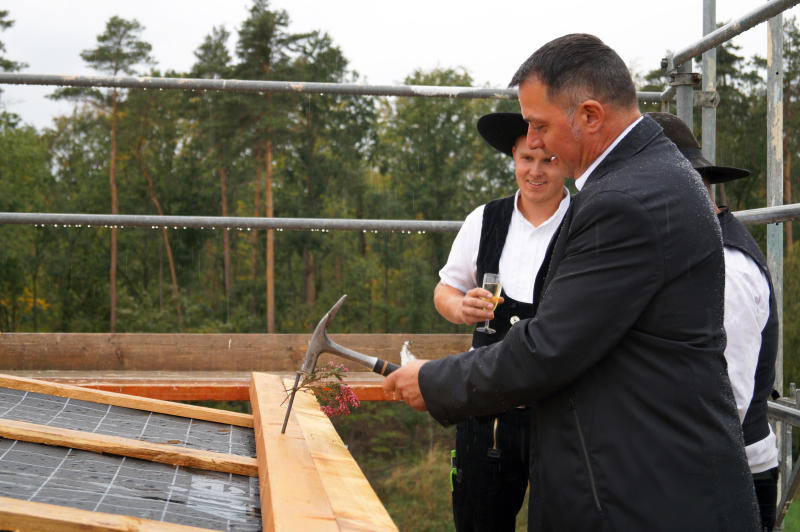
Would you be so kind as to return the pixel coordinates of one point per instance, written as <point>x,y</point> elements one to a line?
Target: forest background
<point>302,156</point>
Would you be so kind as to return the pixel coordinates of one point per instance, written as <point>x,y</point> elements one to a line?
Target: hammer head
<point>318,343</point>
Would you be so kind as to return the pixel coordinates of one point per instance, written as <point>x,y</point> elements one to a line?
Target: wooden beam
<point>307,478</point>
<point>29,516</point>
<point>292,494</point>
<point>103,443</point>
<point>354,502</point>
<point>123,400</point>
<point>191,385</point>
<point>202,352</point>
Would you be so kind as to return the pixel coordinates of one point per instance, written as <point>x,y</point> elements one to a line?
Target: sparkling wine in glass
<point>491,282</point>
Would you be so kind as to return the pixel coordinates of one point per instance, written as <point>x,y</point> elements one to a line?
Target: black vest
<point>755,427</point>
<point>494,230</point>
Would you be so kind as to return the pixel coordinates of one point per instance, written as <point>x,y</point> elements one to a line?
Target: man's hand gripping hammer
<point>320,343</point>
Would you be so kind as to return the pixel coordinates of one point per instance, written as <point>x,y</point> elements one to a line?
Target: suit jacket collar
<point>636,140</point>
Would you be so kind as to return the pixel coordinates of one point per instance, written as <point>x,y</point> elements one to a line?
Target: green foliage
<point>332,156</point>
<point>118,48</point>
<point>792,521</point>
<point>791,316</point>
<point>6,64</point>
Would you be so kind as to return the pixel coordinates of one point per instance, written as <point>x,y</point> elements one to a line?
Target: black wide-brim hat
<point>678,132</point>
<point>501,130</point>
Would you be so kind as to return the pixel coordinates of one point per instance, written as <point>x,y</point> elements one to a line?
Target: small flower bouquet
<point>334,396</point>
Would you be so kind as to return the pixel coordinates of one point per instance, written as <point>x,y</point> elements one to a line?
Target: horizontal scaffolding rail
<point>724,33</point>
<point>784,413</point>
<point>260,86</point>
<point>229,222</point>
<point>748,217</point>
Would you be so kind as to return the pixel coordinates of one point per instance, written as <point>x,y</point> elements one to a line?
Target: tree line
<point>213,153</point>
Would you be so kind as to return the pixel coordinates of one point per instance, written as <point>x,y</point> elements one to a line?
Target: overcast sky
<point>384,41</point>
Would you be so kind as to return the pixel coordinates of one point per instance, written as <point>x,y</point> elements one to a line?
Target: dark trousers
<point>491,474</point>
<point>766,485</point>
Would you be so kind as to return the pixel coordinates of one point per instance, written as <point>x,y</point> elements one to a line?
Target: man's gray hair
<point>577,67</point>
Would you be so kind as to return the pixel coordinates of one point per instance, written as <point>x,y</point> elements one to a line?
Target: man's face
<point>540,177</point>
<point>549,127</point>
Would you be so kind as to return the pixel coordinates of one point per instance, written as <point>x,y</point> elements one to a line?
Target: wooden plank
<point>326,481</point>
<point>168,386</point>
<point>202,352</point>
<point>191,386</point>
<point>29,516</point>
<point>103,443</point>
<point>123,400</point>
<point>292,494</point>
<point>354,502</point>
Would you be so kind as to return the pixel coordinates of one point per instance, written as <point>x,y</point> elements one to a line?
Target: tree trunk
<point>112,174</point>
<point>226,241</point>
<point>154,198</point>
<point>254,238</point>
<point>308,275</point>
<point>270,259</point>
<point>308,255</point>
<point>34,279</point>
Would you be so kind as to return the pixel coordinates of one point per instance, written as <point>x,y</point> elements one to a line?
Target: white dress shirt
<point>580,181</point>
<point>520,259</point>
<point>746,314</point>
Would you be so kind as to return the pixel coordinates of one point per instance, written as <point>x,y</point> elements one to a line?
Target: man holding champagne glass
<point>489,279</point>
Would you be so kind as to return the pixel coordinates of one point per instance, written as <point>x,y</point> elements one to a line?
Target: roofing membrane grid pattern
<point>121,485</point>
<point>126,422</point>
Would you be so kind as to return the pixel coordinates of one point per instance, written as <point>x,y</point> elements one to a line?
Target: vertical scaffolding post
<point>775,231</point>
<point>684,94</point>
<point>709,111</point>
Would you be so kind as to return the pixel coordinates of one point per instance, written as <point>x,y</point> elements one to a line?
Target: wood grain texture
<point>28,516</point>
<point>354,502</point>
<point>327,491</point>
<point>191,385</point>
<point>203,352</point>
<point>127,401</point>
<point>154,452</point>
<point>292,494</point>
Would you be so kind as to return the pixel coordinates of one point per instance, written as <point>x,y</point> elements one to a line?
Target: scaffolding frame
<point>785,413</point>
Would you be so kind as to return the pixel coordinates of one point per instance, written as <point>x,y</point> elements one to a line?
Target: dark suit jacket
<point>635,426</point>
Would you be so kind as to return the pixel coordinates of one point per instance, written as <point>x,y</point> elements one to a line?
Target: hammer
<point>320,343</point>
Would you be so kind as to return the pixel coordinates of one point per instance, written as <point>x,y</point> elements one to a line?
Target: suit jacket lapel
<point>554,249</point>
<point>640,136</point>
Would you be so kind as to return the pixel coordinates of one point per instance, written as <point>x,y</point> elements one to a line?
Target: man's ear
<point>591,116</point>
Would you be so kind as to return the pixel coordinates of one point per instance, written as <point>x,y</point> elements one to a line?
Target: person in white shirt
<point>509,237</point>
<point>751,324</point>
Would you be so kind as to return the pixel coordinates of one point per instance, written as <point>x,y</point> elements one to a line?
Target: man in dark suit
<point>634,424</point>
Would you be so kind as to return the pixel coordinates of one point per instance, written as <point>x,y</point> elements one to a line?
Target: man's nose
<point>533,139</point>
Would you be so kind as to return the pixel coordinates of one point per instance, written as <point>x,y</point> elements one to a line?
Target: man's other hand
<point>405,384</point>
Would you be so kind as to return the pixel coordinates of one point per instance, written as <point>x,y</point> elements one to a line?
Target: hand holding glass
<point>491,282</point>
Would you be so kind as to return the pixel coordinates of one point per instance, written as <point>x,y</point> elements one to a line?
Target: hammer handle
<point>382,367</point>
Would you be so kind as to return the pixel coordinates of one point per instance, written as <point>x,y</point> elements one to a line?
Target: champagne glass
<point>491,282</point>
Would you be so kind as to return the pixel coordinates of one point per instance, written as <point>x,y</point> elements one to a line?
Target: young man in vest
<point>508,236</point>
<point>751,323</point>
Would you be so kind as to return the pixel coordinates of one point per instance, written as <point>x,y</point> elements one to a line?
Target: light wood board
<point>308,479</point>
<point>40,517</point>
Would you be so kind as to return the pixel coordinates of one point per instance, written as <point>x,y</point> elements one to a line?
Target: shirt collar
<point>561,208</point>
<point>579,182</point>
